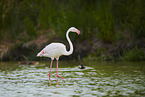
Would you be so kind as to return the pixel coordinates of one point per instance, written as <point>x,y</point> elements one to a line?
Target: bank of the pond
<point>94,49</point>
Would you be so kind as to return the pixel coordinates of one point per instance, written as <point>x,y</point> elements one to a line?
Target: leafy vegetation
<point>134,54</point>
<point>31,31</point>
<point>107,20</point>
<point>84,14</point>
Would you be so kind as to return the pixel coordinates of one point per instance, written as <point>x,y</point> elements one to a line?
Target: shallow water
<point>98,79</point>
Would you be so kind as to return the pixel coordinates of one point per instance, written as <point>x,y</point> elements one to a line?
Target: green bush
<point>134,54</point>
<point>105,23</point>
<point>48,14</point>
<point>19,16</point>
<point>130,15</point>
<point>31,31</point>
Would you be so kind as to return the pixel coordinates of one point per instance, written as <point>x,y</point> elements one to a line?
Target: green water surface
<point>119,79</point>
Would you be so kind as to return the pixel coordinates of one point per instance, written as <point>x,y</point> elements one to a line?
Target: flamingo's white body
<point>55,50</point>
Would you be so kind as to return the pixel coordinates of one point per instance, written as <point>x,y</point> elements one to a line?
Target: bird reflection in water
<point>57,82</point>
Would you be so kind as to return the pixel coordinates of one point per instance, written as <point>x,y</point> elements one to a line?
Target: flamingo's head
<point>73,29</point>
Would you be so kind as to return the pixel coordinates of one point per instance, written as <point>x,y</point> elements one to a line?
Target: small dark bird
<point>81,66</point>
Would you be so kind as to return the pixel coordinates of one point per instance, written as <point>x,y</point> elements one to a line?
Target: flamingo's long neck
<point>70,43</point>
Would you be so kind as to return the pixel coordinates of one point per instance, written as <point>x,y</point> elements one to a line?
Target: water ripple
<point>31,81</point>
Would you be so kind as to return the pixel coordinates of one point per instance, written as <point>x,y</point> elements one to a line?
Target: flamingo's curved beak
<point>78,32</point>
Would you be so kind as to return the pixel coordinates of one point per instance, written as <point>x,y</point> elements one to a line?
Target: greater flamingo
<point>55,50</point>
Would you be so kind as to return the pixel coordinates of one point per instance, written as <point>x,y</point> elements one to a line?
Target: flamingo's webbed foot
<point>59,76</point>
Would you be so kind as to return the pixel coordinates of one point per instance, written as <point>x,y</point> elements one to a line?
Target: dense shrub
<point>107,20</point>
<point>31,31</point>
<point>87,15</point>
<point>134,54</point>
<point>130,15</point>
<point>105,23</point>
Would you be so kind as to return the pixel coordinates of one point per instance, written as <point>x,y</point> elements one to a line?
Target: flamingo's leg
<point>50,68</point>
<point>57,70</point>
